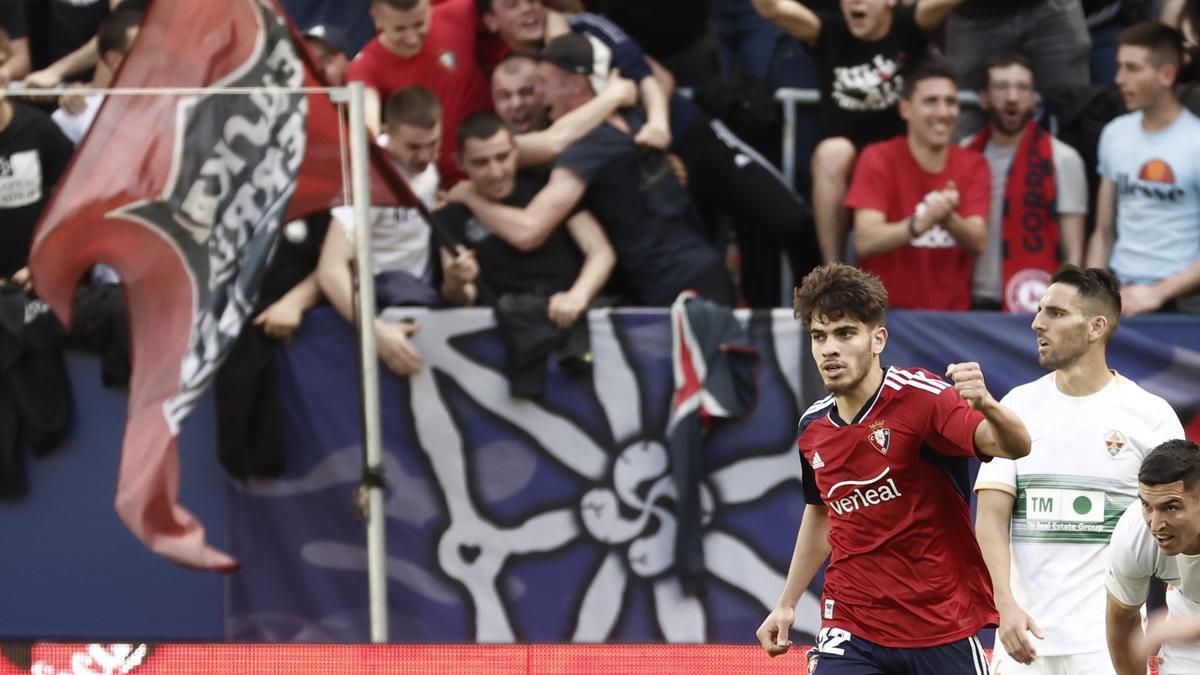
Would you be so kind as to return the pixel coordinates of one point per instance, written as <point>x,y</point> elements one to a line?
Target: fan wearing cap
<point>726,177</point>
<point>631,190</point>
<point>434,47</point>
<point>519,103</point>
<point>332,50</point>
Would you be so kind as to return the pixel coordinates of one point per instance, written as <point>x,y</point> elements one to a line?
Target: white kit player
<point>1044,521</point>
<point>1158,536</point>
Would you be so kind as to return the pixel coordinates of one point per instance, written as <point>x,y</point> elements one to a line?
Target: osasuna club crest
<point>879,436</point>
<point>1114,441</point>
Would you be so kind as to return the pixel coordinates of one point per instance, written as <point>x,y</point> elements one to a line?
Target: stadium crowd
<point>955,206</point>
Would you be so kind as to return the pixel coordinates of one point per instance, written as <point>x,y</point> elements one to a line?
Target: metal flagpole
<point>360,188</point>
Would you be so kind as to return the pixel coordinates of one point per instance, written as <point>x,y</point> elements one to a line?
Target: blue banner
<point>512,520</point>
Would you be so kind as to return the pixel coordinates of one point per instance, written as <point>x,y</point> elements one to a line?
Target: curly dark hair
<point>834,291</point>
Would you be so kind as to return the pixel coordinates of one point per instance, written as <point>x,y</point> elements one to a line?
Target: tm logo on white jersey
<point>860,496</point>
<point>1059,505</point>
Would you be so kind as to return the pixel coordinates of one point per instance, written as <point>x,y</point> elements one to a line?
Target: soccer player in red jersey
<point>885,478</point>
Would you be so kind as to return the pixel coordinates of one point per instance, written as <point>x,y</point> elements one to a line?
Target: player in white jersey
<point>1044,521</point>
<point>1158,536</point>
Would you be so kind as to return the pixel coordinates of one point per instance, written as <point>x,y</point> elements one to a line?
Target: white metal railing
<point>790,98</point>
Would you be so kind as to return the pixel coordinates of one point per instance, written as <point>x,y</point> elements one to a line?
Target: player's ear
<point>879,340</point>
<point>1097,327</point>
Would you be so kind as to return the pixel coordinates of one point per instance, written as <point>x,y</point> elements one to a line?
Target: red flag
<point>184,196</point>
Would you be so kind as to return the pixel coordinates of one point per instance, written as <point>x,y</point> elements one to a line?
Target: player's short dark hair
<point>479,126</point>
<point>113,33</point>
<point>413,105</point>
<point>1164,43</point>
<point>4,45</point>
<point>1010,59</point>
<point>402,5</point>
<point>834,291</point>
<point>1173,460</point>
<point>931,69</point>
<point>1098,288</point>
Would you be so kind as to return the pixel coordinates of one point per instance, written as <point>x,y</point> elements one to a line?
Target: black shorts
<point>840,653</point>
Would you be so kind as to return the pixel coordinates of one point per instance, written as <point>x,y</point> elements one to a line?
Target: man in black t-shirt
<point>33,155</point>
<point>15,60</point>
<point>862,53</point>
<point>632,191</point>
<point>549,265</point>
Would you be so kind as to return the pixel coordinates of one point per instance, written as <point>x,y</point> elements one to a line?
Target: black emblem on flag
<point>235,165</point>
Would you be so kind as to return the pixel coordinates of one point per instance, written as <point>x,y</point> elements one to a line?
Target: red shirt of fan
<point>905,569</point>
<point>931,271</point>
<point>447,65</point>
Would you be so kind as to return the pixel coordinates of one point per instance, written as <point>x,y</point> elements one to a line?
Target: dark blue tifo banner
<point>510,520</point>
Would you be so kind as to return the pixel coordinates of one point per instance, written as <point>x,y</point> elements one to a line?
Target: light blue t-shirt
<point>1157,179</point>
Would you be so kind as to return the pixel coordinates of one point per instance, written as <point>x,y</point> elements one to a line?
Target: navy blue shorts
<point>840,653</point>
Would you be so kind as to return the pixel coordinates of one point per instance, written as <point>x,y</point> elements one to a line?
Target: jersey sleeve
<point>1000,473</point>
<point>952,424</point>
<point>1131,559</point>
<point>870,186</point>
<point>808,481</point>
<point>1168,426</point>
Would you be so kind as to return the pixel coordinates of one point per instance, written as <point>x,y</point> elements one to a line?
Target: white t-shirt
<point>1071,489</point>
<point>1134,558</point>
<point>399,236</point>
